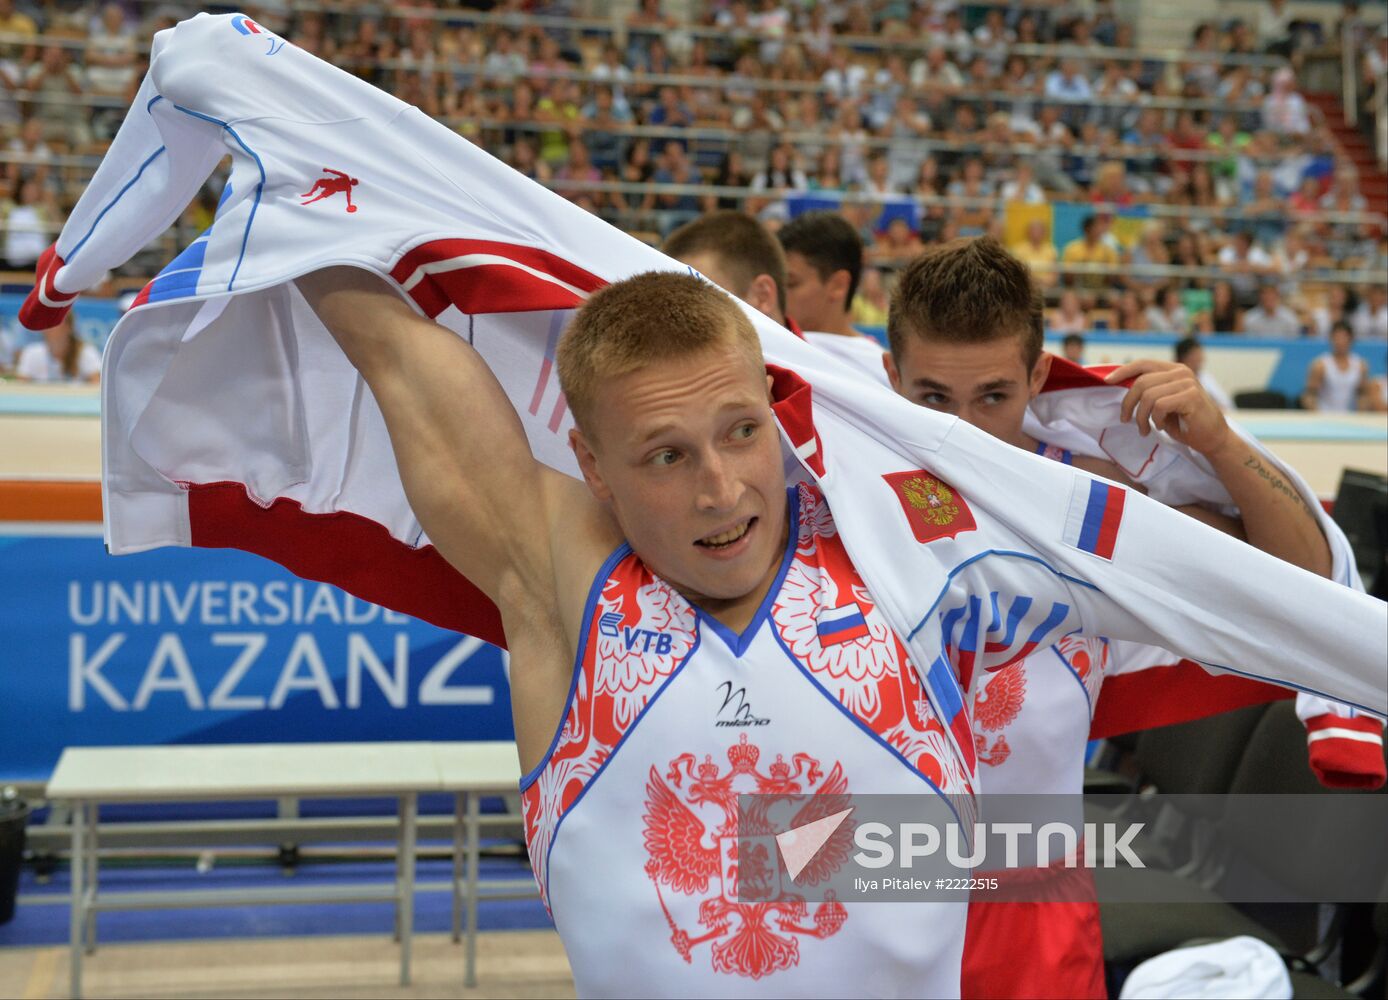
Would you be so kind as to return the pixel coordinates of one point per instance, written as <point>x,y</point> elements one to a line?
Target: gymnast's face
<point>687,455</point>
<point>987,385</point>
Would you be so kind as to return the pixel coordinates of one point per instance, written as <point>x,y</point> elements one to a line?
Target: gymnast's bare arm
<point>528,537</point>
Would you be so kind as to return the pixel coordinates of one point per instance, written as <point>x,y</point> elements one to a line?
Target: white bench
<point>87,777</point>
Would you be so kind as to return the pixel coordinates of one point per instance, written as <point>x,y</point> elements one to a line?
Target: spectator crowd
<point>1206,192</point>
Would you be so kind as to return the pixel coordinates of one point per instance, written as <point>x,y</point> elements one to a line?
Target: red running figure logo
<point>326,187</point>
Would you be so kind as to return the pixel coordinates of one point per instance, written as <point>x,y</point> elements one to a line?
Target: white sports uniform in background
<point>861,352</point>
<point>230,417</point>
<point>37,362</point>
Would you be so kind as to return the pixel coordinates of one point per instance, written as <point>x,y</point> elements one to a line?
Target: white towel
<point>1241,968</point>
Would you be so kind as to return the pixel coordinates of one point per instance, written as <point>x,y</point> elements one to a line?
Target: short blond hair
<point>651,317</point>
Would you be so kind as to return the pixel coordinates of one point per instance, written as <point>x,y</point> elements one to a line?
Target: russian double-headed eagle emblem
<point>932,508</point>
<point>754,919</point>
<point>932,498</point>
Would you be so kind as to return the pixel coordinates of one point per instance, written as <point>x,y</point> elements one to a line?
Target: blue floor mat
<point>38,922</point>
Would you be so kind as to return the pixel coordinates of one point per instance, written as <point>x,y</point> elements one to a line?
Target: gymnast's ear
<point>588,465</point>
<point>763,296</point>
<point>1039,373</point>
<point>893,372</point>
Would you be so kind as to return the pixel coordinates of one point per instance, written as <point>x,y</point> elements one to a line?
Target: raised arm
<point>1275,518</point>
<point>466,467</point>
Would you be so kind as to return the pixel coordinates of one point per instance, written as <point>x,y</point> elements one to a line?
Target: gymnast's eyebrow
<point>989,386</point>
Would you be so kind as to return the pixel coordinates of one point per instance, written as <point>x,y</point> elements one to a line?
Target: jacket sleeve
<point>1170,581</point>
<point>155,165</point>
<point>1145,687</point>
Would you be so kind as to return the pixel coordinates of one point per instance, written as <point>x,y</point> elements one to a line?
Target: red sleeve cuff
<point>1346,752</point>
<point>45,306</point>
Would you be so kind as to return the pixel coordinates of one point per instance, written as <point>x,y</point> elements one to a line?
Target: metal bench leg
<point>458,803</point>
<point>473,850</point>
<point>399,867</point>
<point>404,906</point>
<point>77,916</point>
<point>93,864</point>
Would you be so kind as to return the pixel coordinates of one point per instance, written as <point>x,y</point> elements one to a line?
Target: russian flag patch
<point>836,626</point>
<point>1095,516</point>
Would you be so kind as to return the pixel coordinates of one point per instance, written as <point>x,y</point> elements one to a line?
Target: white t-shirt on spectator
<point>1293,266</point>
<point>1356,204</point>
<point>1375,66</point>
<point>1273,25</point>
<point>1244,285</point>
<point>1369,325</point>
<point>772,26</point>
<point>1051,137</point>
<point>1281,322</point>
<point>1321,321</point>
<point>1287,174</point>
<point>1161,321</point>
<point>1250,90</point>
<point>33,158</point>
<point>880,192</point>
<point>1286,115</point>
<point>9,109</point>
<point>948,75</point>
<point>25,235</point>
<point>35,362</point>
<point>1030,195</point>
<point>57,83</point>
<point>845,83</point>
<point>993,47</point>
<point>1061,87</point>
<point>1257,256</point>
<point>960,44</point>
<point>614,77</point>
<point>111,79</point>
<point>504,65</point>
<point>1122,87</point>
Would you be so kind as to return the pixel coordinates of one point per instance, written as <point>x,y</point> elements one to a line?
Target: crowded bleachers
<point>1166,188</point>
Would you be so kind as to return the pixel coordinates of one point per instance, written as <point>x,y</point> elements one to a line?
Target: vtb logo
<point>638,640</point>
<point>735,711</point>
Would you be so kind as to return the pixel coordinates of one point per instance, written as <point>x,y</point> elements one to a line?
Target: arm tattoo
<point>1270,477</point>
